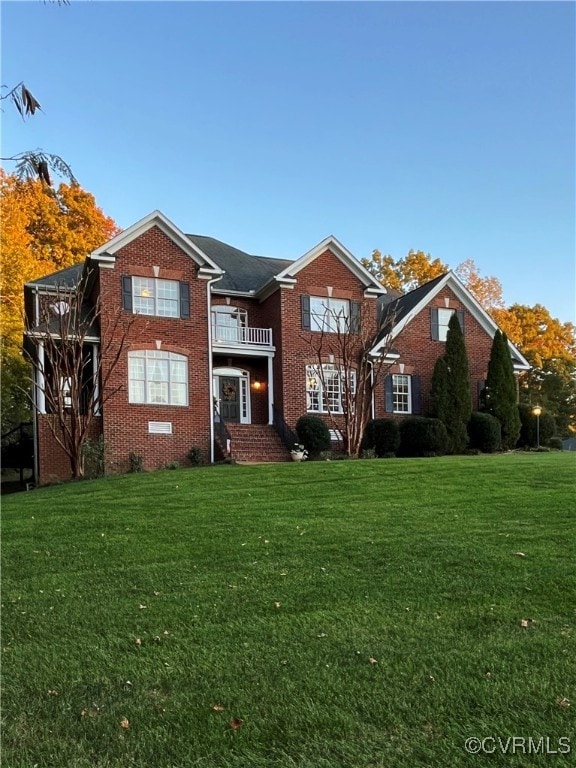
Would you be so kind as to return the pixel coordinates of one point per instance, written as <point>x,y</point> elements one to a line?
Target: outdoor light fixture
<point>537,410</point>
<point>257,385</point>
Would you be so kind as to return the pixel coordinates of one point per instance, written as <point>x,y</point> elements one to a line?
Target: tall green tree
<point>501,392</point>
<point>459,400</point>
<point>439,402</point>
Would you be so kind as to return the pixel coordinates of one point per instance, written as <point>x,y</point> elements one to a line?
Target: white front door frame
<point>244,376</point>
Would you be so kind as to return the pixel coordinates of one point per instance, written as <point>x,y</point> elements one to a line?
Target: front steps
<point>256,442</point>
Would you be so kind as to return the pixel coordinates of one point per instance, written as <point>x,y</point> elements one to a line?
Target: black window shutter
<point>434,324</point>
<point>388,394</point>
<point>184,300</point>
<point>127,293</point>
<point>305,307</point>
<point>355,317</point>
<point>460,316</point>
<point>416,395</point>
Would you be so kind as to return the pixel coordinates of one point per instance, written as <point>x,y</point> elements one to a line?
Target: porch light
<point>257,385</point>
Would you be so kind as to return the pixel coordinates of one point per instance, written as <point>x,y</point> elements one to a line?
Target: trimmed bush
<point>314,434</point>
<point>485,432</point>
<point>420,436</point>
<point>528,432</point>
<point>500,391</point>
<point>195,456</point>
<point>556,444</point>
<point>383,436</point>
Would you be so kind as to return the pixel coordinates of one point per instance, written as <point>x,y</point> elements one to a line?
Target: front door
<point>230,398</point>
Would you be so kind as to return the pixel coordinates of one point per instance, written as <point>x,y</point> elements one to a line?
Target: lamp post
<point>537,410</point>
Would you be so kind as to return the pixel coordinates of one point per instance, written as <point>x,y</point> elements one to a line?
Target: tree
<point>415,269</point>
<point>501,396</point>
<point>418,268</point>
<point>70,381</point>
<point>439,400</point>
<point>43,230</point>
<point>458,405</point>
<point>550,347</point>
<point>355,372</point>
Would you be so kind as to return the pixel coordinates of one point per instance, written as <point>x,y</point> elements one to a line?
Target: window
<point>440,319</point>
<point>229,323</point>
<point>152,296</point>
<point>401,396</point>
<point>329,315</point>
<point>157,378</point>
<point>325,388</point>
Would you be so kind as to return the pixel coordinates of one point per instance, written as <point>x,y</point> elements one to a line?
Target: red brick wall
<point>419,352</point>
<point>126,424</point>
<point>53,463</point>
<point>314,279</point>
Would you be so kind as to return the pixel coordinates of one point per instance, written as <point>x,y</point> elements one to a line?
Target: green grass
<point>411,563</point>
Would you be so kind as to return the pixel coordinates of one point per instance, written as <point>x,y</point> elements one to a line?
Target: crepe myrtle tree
<point>74,351</point>
<point>346,368</point>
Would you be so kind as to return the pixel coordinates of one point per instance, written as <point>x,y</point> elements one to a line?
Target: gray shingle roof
<point>64,278</point>
<point>244,272</point>
<point>400,306</point>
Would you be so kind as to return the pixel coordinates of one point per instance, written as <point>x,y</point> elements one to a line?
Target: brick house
<point>218,350</point>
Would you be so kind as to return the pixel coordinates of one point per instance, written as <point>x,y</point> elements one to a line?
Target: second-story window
<point>153,296</point>
<point>229,323</point>
<point>330,315</point>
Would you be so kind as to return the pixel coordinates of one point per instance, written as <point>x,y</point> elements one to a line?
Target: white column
<point>40,381</point>
<point>95,381</point>
<point>270,391</point>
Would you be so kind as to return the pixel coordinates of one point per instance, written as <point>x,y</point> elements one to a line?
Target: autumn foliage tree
<point>43,230</point>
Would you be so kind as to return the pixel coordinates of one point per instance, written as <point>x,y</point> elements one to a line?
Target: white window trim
<point>150,356</point>
<point>395,393</point>
<point>330,321</point>
<point>312,372</point>
<point>157,281</point>
<point>443,326</point>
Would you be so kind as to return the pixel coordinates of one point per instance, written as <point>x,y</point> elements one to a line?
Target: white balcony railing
<point>226,335</point>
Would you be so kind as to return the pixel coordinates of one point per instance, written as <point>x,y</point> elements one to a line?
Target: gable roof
<point>106,253</point>
<point>372,285</point>
<point>244,272</point>
<point>405,308</point>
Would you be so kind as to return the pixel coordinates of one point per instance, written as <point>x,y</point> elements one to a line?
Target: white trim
<point>471,304</point>
<point>106,252</point>
<point>41,396</point>
<point>341,253</point>
<point>270,391</point>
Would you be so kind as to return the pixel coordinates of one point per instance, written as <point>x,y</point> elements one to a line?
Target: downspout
<point>35,395</point>
<point>210,365</point>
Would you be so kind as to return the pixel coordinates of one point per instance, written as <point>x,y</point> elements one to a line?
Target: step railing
<point>287,435</point>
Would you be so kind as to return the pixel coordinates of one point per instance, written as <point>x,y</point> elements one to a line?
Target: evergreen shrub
<point>314,434</point>
<point>421,436</point>
<point>485,432</point>
<point>382,435</point>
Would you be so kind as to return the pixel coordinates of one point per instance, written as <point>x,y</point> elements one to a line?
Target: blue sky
<point>442,126</point>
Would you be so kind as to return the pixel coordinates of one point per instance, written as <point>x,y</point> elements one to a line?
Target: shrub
<point>195,456</point>
<point>382,435</point>
<point>314,434</point>
<point>500,394</point>
<point>136,462</point>
<point>93,452</point>
<point>528,431</point>
<point>172,465</point>
<point>556,444</point>
<point>485,432</point>
<point>420,436</point>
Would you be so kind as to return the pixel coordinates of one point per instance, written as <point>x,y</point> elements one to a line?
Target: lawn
<point>367,614</point>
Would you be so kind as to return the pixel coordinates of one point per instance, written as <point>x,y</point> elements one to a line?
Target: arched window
<point>157,378</point>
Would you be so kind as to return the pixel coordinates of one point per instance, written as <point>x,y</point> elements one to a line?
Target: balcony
<point>240,336</point>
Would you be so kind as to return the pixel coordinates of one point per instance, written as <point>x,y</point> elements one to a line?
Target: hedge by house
<point>314,435</point>
<point>485,432</point>
<point>421,436</point>
<point>459,408</point>
<point>383,436</point>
